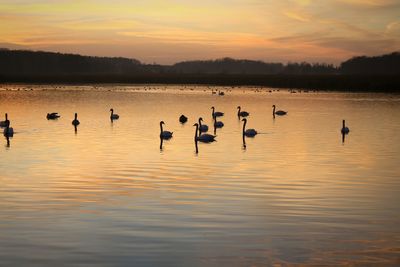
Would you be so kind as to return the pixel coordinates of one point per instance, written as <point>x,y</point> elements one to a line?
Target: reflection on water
<point>117,194</point>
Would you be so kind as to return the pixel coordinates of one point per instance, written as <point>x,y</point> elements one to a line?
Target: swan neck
<point>161,128</point>
<point>195,133</point>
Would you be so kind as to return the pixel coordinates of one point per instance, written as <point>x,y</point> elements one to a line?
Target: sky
<point>165,32</point>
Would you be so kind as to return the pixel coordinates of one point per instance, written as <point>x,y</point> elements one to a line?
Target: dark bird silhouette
<point>216,113</point>
<point>164,134</point>
<point>5,122</point>
<point>345,130</point>
<point>75,122</point>
<point>52,116</point>
<point>242,113</point>
<point>204,138</point>
<point>248,132</point>
<point>113,116</point>
<point>183,119</point>
<point>202,127</point>
<point>279,112</point>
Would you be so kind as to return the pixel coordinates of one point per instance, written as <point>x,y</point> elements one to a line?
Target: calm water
<point>108,196</point>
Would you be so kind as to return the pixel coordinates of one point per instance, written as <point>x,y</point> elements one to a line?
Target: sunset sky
<point>176,30</point>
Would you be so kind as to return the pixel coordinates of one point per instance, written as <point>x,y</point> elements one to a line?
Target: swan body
<point>248,132</point>
<point>183,119</point>
<point>204,138</point>
<point>164,134</point>
<point>216,113</point>
<point>52,116</point>
<point>345,130</point>
<point>4,123</point>
<point>278,112</point>
<point>202,127</point>
<point>113,116</point>
<point>242,113</point>
<point>8,132</point>
<point>218,124</point>
<point>75,122</point>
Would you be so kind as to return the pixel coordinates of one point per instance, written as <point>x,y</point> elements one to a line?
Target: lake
<point>107,195</point>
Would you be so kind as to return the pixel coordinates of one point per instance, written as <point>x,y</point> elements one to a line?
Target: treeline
<point>234,66</point>
<point>386,64</point>
<point>357,74</point>
<point>20,62</point>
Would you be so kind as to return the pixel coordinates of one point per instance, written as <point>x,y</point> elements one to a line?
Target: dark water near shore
<point>108,196</point>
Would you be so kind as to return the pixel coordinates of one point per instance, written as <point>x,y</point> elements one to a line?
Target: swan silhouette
<point>164,134</point>
<point>4,123</point>
<point>52,116</point>
<point>242,113</point>
<point>345,130</point>
<point>8,131</point>
<point>248,132</point>
<point>218,124</point>
<point>204,138</point>
<point>113,116</point>
<point>75,122</point>
<point>183,119</point>
<point>216,113</point>
<point>202,127</point>
<point>279,112</point>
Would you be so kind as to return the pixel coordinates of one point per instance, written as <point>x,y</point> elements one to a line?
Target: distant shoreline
<point>336,82</point>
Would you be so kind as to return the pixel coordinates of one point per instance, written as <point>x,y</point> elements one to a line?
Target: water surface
<point>107,195</point>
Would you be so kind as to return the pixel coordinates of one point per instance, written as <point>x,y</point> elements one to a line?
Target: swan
<point>8,131</point>
<point>242,113</point>
<point>279,112</point>
<point>204,138</point>
<point>52,116</point>
<point>4,123</point>
<point>218,124</point>
<point>216,113</point>
<point>345,130</point>
<point>113,116</point>
<point>75,122</point>
<point>183,119</point>
<point>248,132</point>
<point>202,127</point>
<point>164,134</point>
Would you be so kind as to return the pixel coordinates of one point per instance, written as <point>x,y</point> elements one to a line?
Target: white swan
<point>216,113</point>
<point>279,112</point>
<point>242,113</point>
<point>345,130</point>
<point>164,134</point>
<point>204,138</point>
<point>248,132</point>
<point>202,127</point>
<point>113,116</point>
<point>75,122</point>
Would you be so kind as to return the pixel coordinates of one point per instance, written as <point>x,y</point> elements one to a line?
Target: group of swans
<point>201,128</point>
